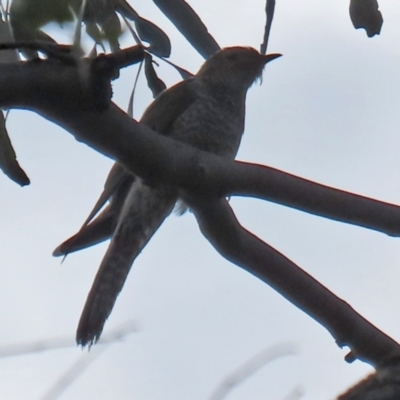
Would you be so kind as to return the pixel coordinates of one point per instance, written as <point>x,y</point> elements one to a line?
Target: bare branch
<point>251,366</point>
<point>220,226</point>
<point>40,346</point>
<point>85,360</point>
<point>69,376</point>
<point>289,190</point>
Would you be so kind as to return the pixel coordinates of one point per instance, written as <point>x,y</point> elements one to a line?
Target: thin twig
<point>73,372</point>
<point>86,359</point>
<point>39,346</point>
<point>249,368</point>
<point>269,11</point>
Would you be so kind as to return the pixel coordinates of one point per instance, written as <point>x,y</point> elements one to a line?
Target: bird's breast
<point>212,124</point>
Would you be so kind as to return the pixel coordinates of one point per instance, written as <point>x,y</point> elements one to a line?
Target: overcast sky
<point>327,111</point>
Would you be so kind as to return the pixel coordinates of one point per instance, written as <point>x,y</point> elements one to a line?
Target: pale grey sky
<point>326,111</point>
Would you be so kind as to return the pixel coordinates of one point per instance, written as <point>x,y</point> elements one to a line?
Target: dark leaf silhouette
<point>155,84</point>
<point>365,14</point>
<point>190,25</point>
<point>269,12</point>
<point>159,42</point>
<point>8,161</point>
<point>183,73</point>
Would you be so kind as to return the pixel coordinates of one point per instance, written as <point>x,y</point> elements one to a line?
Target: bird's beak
<point>270,57</point>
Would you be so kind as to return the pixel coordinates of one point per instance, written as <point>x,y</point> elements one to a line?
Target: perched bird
<point>206,112</point>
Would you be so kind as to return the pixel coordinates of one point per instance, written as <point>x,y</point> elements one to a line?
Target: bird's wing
<point>97,231</point>
<point>169,105</point>
<point>117,180</point>
<point>144,211</point>
<point>159,116</point>
<point>94,231</point>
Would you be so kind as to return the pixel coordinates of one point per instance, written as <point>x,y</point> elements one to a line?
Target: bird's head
<point>235,66</point>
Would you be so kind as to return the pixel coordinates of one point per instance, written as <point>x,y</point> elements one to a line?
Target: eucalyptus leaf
<point>365,14</point>
<point>155,84</point>
<point>182,15</point>
<point>159,42</point>
<point>8,158</point>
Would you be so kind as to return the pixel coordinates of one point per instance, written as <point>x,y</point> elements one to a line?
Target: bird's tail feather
<point>144,211</point>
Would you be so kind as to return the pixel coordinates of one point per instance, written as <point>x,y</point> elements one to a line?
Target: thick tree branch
<point>220,226</point>
<point>64,94</point>
<point>283,188</point>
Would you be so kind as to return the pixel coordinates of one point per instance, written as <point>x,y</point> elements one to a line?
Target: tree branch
<point>292,191</point>
<point>43,86</point>
<point>219,225</point>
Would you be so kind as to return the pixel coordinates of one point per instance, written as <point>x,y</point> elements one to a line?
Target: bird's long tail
<point>144,211</point>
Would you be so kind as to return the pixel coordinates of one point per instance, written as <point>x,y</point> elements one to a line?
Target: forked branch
<point>220,226</point>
